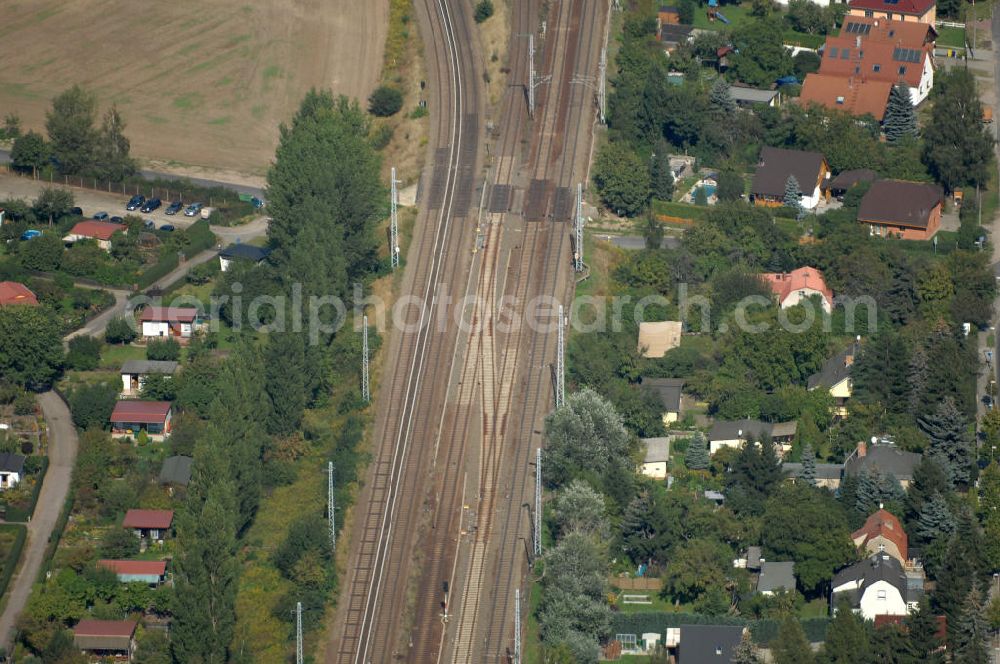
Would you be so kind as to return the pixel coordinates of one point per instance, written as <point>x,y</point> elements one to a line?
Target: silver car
<point>193,210</point>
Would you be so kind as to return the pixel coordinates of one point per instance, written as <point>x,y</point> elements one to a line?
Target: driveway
<point>62,456</point>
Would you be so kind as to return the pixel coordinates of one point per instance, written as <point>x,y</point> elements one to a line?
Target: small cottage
<point>114,639</point>
<point>149,524</point>
<point>130,418</point>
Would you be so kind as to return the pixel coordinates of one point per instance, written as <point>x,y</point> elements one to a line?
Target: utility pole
<point>517,626</point>
<point>531,76</point>
<point>394,223</point>
<point>602,86</point>
<point>578,228</point>
<point>560,363</point>
<point>299,659</point>
<point>330,507</point>
<point>365,391</point>
<point>538,502</point>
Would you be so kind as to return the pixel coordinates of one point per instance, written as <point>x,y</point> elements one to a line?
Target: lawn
<point>953,37</point>
<point>112,357</point>
<point>735,13</point>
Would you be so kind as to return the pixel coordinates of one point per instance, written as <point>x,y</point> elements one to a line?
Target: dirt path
<point>62,455</point>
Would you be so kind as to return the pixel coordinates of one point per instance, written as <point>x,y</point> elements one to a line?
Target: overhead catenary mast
<point>602,85</point>
<point>394,222</point>
<point>538,502</point>
<point>365,389</point>
<point>578,229</point>
<point>560,362</point>
<point>517,626</point>
<point>299,654</point>
<point>330,506</point>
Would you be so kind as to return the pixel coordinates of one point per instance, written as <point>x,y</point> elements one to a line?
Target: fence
<point>14,555</point>
<point>227,202</point>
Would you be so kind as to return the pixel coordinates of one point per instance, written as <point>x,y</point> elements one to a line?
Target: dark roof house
<point>708,644</point>
<point>668,390</point>
<point>11,463</point>
<point>176,470</point>
<point>884,457</point>
<point>834,370</point>
<point>847,179</point>
<point>777,164</point>
<point>900,203</point>
<point>104,636</point>
<point>144,367</point>
<point>824,471</point>
<point>776,576</point>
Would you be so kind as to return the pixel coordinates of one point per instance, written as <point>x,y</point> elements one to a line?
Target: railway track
<point>371,623</point>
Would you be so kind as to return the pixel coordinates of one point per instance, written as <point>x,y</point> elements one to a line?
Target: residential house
<point>100,231</point>
<point>672,36</point>
<point>835,377</point>
<point>734,433</point>
<point>149,524</point>
<point>134,373</point>
<point>827,474</point>
<point>846,180</point>
<point>909,210</point>
<point>774,168</point>
<point>12,292</point>
<point>882,533</point>
<point>775,577</point>
<point>796,287</point>
<point>855,95</point>
<point>884,457</point>
<point>708,644</point>
<point>176,470</point>
<point>750,97</point>
<point>11,470</point>
<point>873,49</point>
<point>246,253</point>
<point>920,11</point>
<point>129,418</point>
<point>878,586</point>
<point>151,572</point>
<point>114,639</point>
<point>656,459</point>
<point>668,390</point>
<point>176,322</point>
<point>656,338</point>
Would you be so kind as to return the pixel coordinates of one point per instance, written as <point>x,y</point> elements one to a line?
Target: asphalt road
<point>159,175</point>
<point>63,445</point>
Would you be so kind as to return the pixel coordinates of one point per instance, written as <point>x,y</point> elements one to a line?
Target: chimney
<point>862,449</point>
<point>857,42</point>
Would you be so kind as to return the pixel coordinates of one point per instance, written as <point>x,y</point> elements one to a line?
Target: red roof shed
<point>12,292</point>
<point>157,519</point>
<point>99,230</point>
<point>169,314</point>
<point>140,412</point>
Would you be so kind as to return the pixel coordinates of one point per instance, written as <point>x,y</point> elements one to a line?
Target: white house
<point>177,322</point>
<point>798,286</point>
<point>878,586</point>
<point>134,373</point>
<point>11,470</point>
<point>654,464</point>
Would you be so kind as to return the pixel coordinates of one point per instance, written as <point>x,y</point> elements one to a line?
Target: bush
<point>162,268</point>
<point>84,353</point>
<point>163,349</point>
<point>484,9</point>
<point>119,331</point>
<point>385,101</point>
<point>118,544</point>
<point>43,253</point>
<point>15,554</point>
<point>91,405</point>
<point>24,403</point>
<point>381,137</point>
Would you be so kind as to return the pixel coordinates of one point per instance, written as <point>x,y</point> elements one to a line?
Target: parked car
<point>149,224</point>
<point>151,205</point>
<point>988,401</point>
<point>116,220</point>
<point>76,211</point>
<point>174,208</point>
<point>193,209</point>
<point>167,228</point>
<point>101,216</point>
<point>135,202</point>
<point>30,234</point>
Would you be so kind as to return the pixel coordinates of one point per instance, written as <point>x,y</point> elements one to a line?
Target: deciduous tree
<point>958,148</point>
<point>111,156</point>
<point>30,152</point>
<point>622,179</point>
<point>31,350</point>
<point>70,125</point>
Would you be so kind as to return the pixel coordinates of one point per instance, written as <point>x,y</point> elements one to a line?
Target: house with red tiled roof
<point>131,417</point>
<point>857,96</point>
<point>882,533</point>
<point>871,49</point>
<point>101,231</point>
<point>106,639</point>
<point>176,322</point>
<point>915,11</point>
<point>154,524</point>
<point>794,287</point>
<point>12,292</point>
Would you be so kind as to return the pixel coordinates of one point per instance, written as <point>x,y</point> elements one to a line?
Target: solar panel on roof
<point>859,28</point>
<point>906,55</point>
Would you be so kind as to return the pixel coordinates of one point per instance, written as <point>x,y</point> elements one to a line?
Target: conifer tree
<point>846,638</point>
<point>954,581</point>
<point>928,479</point>
<point>935,520</point>
<point>696,457</point>
<point>661,176</point>
<point>745,652</point>
<point>950,444</point>
<point>793,194</point>
<point>923,643</point>
<point>721,98</point>
<point>206,569</point>
<point>900,119</point>
<point>970,632</point>
<point>284,368</point>
<point>808,465</point>
<point>791,646</point>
